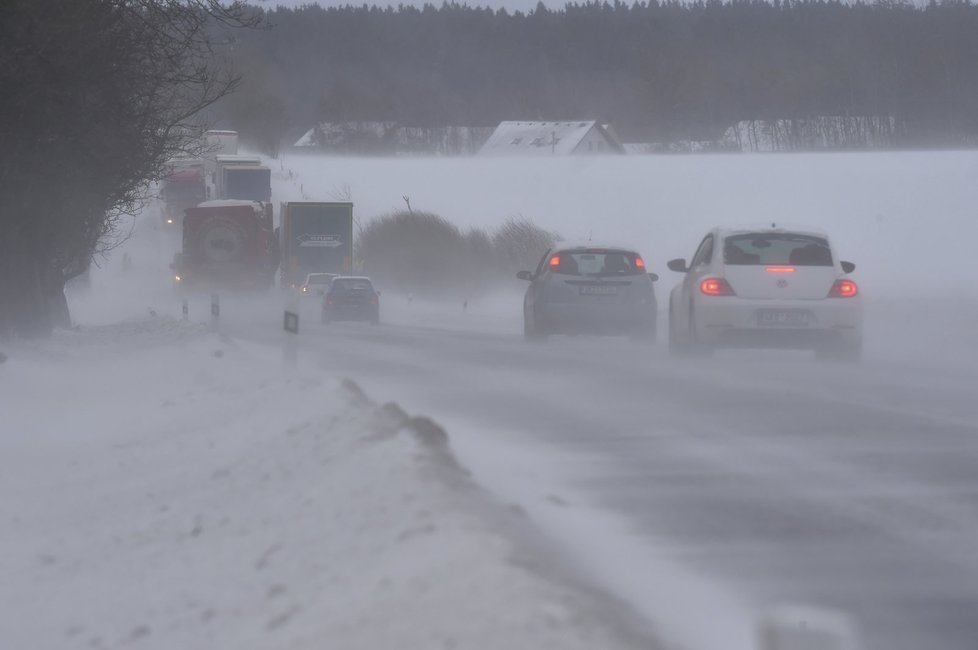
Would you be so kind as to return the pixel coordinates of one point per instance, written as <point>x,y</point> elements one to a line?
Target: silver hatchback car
<point>590,290</point>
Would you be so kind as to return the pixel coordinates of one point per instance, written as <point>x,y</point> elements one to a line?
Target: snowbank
<point>163,487</point>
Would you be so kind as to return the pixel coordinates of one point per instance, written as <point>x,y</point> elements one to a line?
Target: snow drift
<point>164,487</point>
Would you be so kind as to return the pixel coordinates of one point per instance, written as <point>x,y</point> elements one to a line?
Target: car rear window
<point>776,248</point>
<point>351,285</point>
<point>596,262</point>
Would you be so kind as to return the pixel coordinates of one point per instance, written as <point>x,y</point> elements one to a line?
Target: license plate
<point>783,317</point>
<point>598,290</point>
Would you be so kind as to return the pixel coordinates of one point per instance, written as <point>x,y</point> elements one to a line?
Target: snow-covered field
<point>908,220</point>
<point>167,486</point>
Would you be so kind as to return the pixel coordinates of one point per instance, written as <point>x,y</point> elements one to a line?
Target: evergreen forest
<point>657,71</point>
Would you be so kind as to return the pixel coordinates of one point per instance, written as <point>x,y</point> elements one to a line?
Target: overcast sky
<point>510,5</point>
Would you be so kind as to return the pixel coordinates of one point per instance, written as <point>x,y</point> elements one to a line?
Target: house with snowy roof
<point>551,139</point>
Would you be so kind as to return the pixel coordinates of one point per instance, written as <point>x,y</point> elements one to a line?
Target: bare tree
<point>98,96</point>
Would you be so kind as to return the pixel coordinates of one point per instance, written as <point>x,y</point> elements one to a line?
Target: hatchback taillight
<point>716,287</point>
<point>843,289</point>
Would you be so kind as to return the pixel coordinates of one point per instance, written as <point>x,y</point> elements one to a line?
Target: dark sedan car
<point>351,298</point>
<point>590,290</point>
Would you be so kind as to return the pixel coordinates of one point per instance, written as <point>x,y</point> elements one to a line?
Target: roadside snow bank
<point>162,487</point>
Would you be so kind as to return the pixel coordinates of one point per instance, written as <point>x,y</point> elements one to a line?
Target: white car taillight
<point>843,289</point>
<point>716,287</point>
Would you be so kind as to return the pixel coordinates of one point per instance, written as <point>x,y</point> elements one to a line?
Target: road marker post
<point>290,325</point>
<point>215,311</point>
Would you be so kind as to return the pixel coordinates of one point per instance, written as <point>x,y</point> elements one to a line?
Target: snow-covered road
<point>763,477</point>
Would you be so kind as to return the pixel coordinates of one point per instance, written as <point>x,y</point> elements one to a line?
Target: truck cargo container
<point>246,183</point>
<point>249,186</point>
<point>315,238</point>
<point>217,142</point>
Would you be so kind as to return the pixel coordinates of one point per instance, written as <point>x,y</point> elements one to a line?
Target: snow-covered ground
<point>166,487</point>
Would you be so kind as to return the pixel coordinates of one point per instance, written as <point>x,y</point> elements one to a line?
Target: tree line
<point>657,71</point>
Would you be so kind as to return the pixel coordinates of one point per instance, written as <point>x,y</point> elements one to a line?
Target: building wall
<point>594,143</point>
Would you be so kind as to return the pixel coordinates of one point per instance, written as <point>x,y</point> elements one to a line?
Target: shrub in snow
<point>425,254</point>
<point>519,244</point>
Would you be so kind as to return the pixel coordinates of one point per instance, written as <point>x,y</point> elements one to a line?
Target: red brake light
<point>843,289</point>
<point>639,262</point>
<point>716,287</point>
<point>555,261</point>
<point>780,269</point>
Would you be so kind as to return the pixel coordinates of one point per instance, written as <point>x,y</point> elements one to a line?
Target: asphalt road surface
<point>853,486</point>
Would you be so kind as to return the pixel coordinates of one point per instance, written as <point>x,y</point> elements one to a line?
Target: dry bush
<point>414,251</point>
<point>423,253</point>
<point>519,244</point>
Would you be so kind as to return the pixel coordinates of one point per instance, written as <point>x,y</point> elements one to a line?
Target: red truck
<point>228,244</point>
<point>184,187</point>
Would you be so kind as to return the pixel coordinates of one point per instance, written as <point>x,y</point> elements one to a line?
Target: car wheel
<point>677,347</point>
<point>695,347</point>
<point>531,330</point>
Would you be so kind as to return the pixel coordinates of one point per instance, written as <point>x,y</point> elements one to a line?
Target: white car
<point>766,287</point>
<point>316,284</point>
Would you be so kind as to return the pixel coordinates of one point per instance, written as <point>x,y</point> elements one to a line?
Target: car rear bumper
<point>581,319</point>
<point>365,312</point>
<point>736,322</point>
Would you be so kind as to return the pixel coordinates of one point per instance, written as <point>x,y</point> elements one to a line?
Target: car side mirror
<point>678,265</point>
<point>524,275</point>
<point>848,267</point>
<point>653,276</point>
